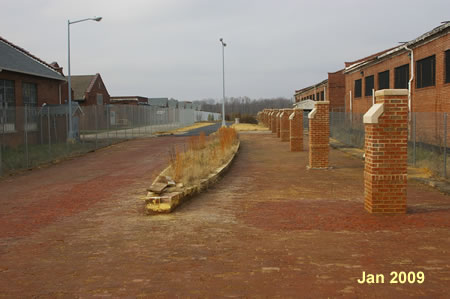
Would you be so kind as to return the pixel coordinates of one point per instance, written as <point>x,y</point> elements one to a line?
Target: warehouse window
<point>369,85</point>
<point>7,104</point>
<point>426,72</point>
<point>447,66</point>
<point>322,95</point>
<point>318,96</point>
<point>383,80</point>
<point>29,94</point>
<point>358,88</point>
<point>401,76</point>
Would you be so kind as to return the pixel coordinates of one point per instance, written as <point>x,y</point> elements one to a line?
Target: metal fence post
<point>26,134</point>
<point>414,138</point>
<point>49,133</point>
<point>108,119</point>
<point>445,144</point>
<point>96,125</point>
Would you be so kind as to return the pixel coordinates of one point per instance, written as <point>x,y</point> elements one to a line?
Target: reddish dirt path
<point>269,228</point>
<point>36,199</point>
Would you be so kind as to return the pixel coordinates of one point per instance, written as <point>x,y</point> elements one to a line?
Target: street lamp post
<point>97,19</point>
<point>223,81</point>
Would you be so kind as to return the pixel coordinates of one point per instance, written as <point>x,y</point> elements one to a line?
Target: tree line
<point>244,105</point>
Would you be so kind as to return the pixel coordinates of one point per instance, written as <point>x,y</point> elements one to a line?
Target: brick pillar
<point>296,130</point>
<point>284,125</point>
<point>273,120</point>
<point>319,134</point>
<point>264,117</point>
<point>277,119</point>
<point>386,149</point>
<point>265,112</point>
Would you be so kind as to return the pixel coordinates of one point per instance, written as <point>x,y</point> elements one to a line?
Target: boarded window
<point>447,66</point>
<point>426,72</point>
<point>369,85</point>
<point>358,88</point>
<point>401,76</point>
<point>383,80</point>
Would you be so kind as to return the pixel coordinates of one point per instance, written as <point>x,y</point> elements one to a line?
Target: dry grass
<point>202,156</point>
<point>248,127</point>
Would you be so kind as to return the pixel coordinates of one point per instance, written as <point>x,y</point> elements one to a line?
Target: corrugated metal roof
<point>16,59</point>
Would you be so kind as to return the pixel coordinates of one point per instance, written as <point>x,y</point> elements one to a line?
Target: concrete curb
<point>167,202</point>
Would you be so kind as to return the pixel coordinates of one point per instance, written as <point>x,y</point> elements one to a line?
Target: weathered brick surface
<point>296,130</point>
<point>278,123</point>
<point>385,171</point>
<point>273,121</point>
<point>284,125</point>
<point>319,133</point>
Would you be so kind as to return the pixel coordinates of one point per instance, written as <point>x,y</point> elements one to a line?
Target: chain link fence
<point>31,136</point>
<point>427,140</point>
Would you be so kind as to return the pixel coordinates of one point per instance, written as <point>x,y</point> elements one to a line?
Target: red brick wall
<point>385,171</point>
<point>97,88</point>
<point>311,92</point>
<point>296,131</point>
<point>319,133</point>
<point>284,125</point>
<point>336,90</point>
<point>47,92</point>
<point>429,99</point>
<point>47,89</point>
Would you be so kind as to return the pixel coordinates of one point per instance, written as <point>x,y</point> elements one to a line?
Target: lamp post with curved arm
<point>97,19</point>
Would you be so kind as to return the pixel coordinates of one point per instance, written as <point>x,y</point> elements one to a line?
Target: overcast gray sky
<point>170,48</point>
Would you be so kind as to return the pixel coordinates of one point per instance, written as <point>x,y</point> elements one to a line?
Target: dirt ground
<point>269,228</point>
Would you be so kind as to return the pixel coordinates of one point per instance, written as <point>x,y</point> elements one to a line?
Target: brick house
<point>26,84</point>
<point>331,89</point>
<point>129,100</point>
<point>88,90</point>
<point>429,58</point>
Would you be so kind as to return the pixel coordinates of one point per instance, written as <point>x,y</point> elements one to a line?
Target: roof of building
<point>16,59</point>
<point>82,84</point>
<point>380,56</point>
<point>129,98</point>
<point>161,102</point>
<point>311,86</point>
<point>60,109</point>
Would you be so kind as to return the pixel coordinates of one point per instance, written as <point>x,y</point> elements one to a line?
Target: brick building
<point>426,58</point>
<point>331,89</point>
<point>129,100</point>
<point>88,90</point>
<point>26,84</point>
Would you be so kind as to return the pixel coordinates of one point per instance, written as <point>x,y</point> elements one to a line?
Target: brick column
<point>265,117</point>
<point>278,123</point>
<point>284,125</point>
<point>273,121</point>
<point>319,134</point>
<point>386,149</point>
<point>296,130</point>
